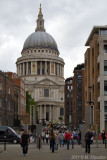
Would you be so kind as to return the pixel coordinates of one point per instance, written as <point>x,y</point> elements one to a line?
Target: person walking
<point>67,138</point>
<point>52,140</point>
<point>24,142</point>
<point>61,138</point>
<point>103,136</point>
<point>88,136</point>
<point>47,137</point>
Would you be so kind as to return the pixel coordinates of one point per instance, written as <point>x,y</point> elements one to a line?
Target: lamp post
<point>91,103</point>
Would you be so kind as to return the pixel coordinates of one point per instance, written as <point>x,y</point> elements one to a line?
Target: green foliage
<point>60,118</point>
<point>29,101</point>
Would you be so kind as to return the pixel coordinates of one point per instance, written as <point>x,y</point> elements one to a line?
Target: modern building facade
<point>43,72</point>
<point>78,96</point>
<point>96,76</point>
<point>68,101</point>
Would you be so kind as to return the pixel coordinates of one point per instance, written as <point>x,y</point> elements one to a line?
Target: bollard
<point>105,143</point>
<point>72,144</point>
<point>39,143</point>
<point>4,143</point>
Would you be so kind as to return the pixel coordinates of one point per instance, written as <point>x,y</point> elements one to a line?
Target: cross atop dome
<point>40,21</point>
<point>40,8</point>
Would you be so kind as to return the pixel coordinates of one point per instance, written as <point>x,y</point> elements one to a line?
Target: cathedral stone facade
<point>43,72</point>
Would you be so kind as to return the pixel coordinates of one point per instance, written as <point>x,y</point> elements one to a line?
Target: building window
<point>68,88</point>
<point>0,102</point>
<point>105,87</point>
<point>105,67</point>
<point>43,71</point>
<point>67,95</point>
<point>106,117</point>
<point>61,99</point>
<point>9,105</point>
<point>9,91</point>
<point>105,48</point>
<point>61,111</point>
<point>0,85</point>
<point>79,77</point>
<point>105,106</point>
<point>103,31</point>
<point>46,92</point>
<point>38,71</point>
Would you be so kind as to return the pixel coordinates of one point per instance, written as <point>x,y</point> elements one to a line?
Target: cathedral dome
<point>40,39</point>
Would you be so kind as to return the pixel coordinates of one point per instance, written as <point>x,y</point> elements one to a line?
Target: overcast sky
<point>68,21</point>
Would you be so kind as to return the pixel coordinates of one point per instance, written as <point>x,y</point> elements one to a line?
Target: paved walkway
<point>14,152</point>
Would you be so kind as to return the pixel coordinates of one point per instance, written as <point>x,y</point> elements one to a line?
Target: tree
<point>30,101</point>
<point>61,119</point>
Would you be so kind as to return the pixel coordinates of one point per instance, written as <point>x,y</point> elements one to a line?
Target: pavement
<point>14,152</point>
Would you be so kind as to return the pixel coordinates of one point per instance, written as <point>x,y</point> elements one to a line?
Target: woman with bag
<point>52,140</point>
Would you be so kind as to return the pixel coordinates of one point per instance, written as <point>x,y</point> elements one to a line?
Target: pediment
<point>46,82</point>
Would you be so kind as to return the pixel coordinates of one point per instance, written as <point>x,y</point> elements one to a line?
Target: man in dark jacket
<point>25,142</point>
<point>103,136</point>
<point>88,136</point>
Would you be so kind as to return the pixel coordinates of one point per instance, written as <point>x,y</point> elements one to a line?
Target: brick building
<point>68,101</point>
<point>22,95</point>
<point>8,106</point>
<point>78,96</point>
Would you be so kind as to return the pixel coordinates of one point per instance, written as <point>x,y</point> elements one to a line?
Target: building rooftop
<point>95,30</point>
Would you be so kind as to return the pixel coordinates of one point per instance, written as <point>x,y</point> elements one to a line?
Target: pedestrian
<point>61,138</point>
<point>52,140</point>
<point>24,142</point>
<point>43,136</point>
<point>67,138</point>
<point>103,136</point>
<point>47,137</point>
<point>79,137</point>
<point>88,136</point>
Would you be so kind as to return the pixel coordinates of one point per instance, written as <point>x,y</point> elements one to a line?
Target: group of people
<point>61,138</point>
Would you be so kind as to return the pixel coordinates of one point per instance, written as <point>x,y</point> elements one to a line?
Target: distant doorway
<point>47,116</point>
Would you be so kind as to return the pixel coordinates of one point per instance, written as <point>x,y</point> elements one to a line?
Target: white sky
<point>68,21</point>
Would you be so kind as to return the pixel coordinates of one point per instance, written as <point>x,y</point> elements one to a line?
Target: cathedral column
<point>50,112</point>
<point>20,69</point>
<point>54,113</point>
<point>58,69</point>
<point>40,117</point>
<point>31,68</point>
<point>26,68</point>
<point>45,68</point>
<point>40,68</point>
<point>36,68</point>
<point>62,71</point>
<point>45,112</point>
<point>23,69</point>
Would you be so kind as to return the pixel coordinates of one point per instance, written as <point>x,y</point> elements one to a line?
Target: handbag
<point>56,146</point>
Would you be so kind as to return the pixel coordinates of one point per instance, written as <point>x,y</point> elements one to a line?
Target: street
<point>14,152</point>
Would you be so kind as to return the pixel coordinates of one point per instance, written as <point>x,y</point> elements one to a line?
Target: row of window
<point>8,92</point>
<point>40,51</point>
<point>8,104</point>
